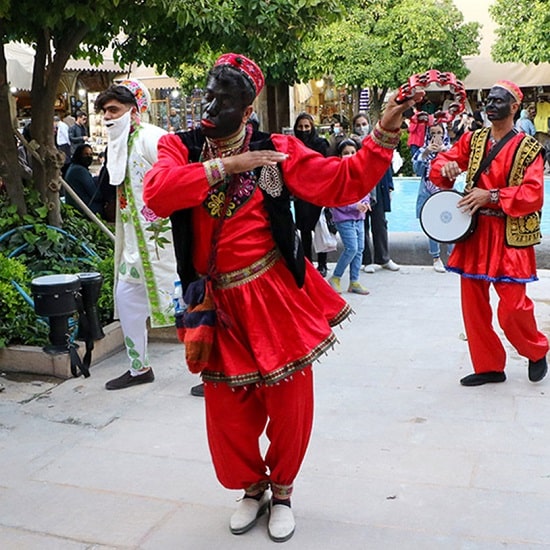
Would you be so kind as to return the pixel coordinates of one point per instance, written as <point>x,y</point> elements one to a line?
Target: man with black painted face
<point>275,311</point>
<point>505,192</point>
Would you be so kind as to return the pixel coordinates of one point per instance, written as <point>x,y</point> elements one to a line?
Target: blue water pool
<point>403,205</point>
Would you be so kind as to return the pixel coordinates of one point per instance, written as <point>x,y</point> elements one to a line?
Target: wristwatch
<point>494,195</point>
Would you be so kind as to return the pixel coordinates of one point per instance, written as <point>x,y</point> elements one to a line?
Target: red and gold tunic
<point>485,254</point>
<point>274,327</point>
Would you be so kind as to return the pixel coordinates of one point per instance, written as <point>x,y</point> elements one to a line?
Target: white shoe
<point>369,268</point>
<point>247,513</point>
<point>391,265</point>
<point>281,523</point>
<point>438,266</point>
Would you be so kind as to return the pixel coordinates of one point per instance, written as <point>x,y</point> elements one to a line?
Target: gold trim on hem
<point>341,316</point>
<point>277,375</point>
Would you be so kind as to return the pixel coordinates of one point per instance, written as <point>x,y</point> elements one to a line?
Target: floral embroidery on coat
<point>216,196</point>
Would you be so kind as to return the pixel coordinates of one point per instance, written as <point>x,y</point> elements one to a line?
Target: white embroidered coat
<point>144,252</point>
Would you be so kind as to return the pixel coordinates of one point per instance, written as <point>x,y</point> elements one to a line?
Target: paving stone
<point>401,457</point>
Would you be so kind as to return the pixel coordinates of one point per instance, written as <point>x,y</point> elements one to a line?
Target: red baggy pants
<point>237,417</point>
<point>516,317</point>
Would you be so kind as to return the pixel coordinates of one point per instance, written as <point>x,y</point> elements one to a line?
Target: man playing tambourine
<point>506,193</point>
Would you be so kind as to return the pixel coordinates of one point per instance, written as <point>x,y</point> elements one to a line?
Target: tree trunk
<point>9,163</point>
<point>47,73</point>
<point>278,113</point>
<point>377,95</point>
<point>44,86</point>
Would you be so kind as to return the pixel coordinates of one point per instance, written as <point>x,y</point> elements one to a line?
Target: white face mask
<point>118,130</point>
<point>362,129</point>
<point>337,130</point>
<point>119,126</point>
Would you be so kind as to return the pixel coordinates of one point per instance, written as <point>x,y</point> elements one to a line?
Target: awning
<point>107,65</point>
<point>151,78</point>
<point>20,61</point>
<point>303,91</point>
<point>484,72</point>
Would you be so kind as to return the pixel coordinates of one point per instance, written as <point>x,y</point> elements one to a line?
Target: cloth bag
<point>196,325</point>
<point>323,239</point>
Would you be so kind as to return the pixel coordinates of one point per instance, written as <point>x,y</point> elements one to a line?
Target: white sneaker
<point>438,265</point>
<point>281,524</point>
<point>247,513</point>
<point>391,265</point>
<point>369,268</point>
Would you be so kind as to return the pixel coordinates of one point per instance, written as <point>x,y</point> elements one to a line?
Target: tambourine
<point>443,221</point>
<point>422,80</point>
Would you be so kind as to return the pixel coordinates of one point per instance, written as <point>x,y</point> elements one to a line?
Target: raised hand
<point>252,159</point>
<point>393,113</point>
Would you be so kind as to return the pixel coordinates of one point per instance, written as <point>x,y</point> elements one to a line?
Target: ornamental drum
<point>442,220</point>
<point>55,295</point>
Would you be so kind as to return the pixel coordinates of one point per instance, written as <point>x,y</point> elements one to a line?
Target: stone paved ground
<point>402,456</point>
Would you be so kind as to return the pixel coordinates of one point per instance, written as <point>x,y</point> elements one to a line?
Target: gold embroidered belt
<point>249,273</point>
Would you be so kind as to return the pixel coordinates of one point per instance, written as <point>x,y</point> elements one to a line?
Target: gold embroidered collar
<point>227,146</point>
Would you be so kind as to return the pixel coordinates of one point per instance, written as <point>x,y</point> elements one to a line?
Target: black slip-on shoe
<point>538,369</point>
<point>490,377</point>
<point>127,380</point>
<point>198,390</point>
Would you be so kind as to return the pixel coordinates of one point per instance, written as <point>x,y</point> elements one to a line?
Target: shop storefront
<point>324,101</point>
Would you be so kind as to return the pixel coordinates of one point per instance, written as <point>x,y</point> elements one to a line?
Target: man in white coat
<point>145,265</point>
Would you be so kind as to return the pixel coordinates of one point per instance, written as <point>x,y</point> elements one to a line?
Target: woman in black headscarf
<point>78,176</point>
<point>307,214</point>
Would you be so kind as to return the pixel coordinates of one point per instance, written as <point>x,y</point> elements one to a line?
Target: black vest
<point>283,229</point>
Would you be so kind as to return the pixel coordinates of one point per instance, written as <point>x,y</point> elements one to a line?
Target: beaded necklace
<point>239,187</point>
<point>227,147</point>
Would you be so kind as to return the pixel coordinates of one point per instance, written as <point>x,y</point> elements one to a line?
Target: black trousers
<point>307,215</point>
<point>376,223</point>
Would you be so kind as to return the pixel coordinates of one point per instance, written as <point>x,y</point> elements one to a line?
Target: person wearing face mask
<point>376,223</point>
<point>307,214</point>
<point>338,134</point>
<point>144,255</point>
<point>350,223</point>
<point>80,179</point>
<point>361,125</point>
<point>505,190</point>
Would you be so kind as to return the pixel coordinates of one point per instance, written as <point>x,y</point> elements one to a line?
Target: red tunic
<point>484,254</point>
<point>417,130</point>
<point>275,327</point>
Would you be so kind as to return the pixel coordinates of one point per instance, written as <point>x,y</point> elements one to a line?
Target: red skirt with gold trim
<point>273,328</point>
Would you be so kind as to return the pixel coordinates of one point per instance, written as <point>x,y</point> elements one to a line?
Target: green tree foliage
<point>270,31</point>
<point>522,32</point>
<point>161,32</point>
<point>383,42</point>
<point>30,248</point>
<point>18,324</point>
